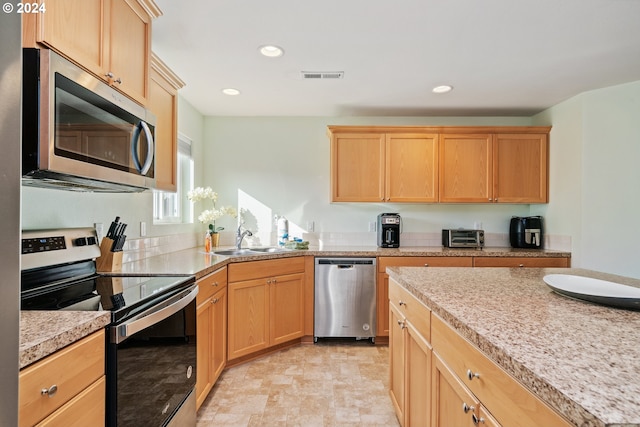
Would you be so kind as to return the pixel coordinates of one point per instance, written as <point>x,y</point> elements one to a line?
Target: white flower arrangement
<point>210,215</point>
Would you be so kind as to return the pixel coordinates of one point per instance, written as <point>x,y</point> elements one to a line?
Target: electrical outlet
<point>143,228</point>
<point>310,226</point>
<point>99,229</point>
<point>372,226</point>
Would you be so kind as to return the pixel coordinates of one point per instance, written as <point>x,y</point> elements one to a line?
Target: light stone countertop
<point>581,358</point>
<point>42,333</point>
<point>45,332</point>
<point>196,262</point>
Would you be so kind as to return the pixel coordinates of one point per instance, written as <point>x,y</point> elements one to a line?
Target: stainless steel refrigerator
<point>10,93</point>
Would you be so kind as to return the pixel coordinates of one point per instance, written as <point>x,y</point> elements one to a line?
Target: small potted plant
<point>212,237</point>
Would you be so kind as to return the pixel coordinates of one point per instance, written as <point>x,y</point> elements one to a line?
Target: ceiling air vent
<point>322,74</point>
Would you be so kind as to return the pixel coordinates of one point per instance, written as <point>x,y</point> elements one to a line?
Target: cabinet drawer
<point>423,261</point>
<point>266,268</point>
<point>86,409</point>
<point>509,401</point>
<point>411,308</point>
<point>211,284</point>
<point>520,262</point>
<point>71,370</point>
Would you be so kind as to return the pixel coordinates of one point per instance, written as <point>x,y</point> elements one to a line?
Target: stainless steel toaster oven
<point>462,238</point>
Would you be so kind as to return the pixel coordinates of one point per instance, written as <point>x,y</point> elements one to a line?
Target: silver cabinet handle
<point>118,80</point>
<point>214,284</point>
<point>477,420</point>
<point>521,265</point>
<point>471,375</point>
<point>109,74</point>
<point>426,265</point>
<point>153,316</point>
<point>401,303</point>
<point>50,392</point>
<point>466,408</point>
<point>401,324</point>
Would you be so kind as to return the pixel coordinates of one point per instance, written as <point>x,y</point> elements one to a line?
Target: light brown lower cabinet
<point>66,388</point>
<point>410,359</point>
<point>211,320</point>
<point>433,381</point>
<point>266,304</point>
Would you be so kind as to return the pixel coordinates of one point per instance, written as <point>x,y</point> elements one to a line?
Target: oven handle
<point>153,316</point>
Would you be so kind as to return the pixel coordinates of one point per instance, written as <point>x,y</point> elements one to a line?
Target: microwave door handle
<point>135,139</point>
<point>151,317</point>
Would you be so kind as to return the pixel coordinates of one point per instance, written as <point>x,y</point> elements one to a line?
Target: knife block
<point>108,261</point>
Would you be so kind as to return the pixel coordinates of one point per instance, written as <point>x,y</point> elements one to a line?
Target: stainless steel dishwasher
<point>345,298</point>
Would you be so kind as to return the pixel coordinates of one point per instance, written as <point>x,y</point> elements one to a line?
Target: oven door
<point>151,364</point>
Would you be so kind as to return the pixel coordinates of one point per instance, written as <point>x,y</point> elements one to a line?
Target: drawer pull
<point>520,265</point>
<point>401,323</point>
<point>426,265</point>
<point>401,303</point>
<point>214,284</point>
<point>51,391</point>
<point>472,375</point>
<point>215,300</point>
<point>477,420</point>
<point>466,408</point>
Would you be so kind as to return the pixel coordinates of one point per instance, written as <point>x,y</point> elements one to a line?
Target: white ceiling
<point>503,57</point>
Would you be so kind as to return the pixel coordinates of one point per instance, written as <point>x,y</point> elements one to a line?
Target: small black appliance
<point>389,230</point>
<point>526,232</point>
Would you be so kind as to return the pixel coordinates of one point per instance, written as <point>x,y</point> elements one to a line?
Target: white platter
<point>595,290</point>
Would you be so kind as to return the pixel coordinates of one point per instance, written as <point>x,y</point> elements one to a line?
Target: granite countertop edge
<point>44,332</point>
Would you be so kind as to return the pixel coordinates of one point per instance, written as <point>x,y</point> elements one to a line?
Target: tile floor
<point>331,383</point>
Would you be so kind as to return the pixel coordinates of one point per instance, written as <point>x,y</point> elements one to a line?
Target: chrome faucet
<point>240,236</point>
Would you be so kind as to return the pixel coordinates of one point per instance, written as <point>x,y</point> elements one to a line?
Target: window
<point>174,208</point>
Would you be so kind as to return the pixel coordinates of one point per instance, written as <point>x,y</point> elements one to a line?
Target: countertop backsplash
<point>146,247</point>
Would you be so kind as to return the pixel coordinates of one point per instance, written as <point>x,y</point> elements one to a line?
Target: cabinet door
<point>465,168</point>
<point>382,309</point>
<point>451,403</point>
<point>219,333</point>
<point>418,379</point>
<point>75,28</point>
<point>357,167</point>
<point>130,48</point>
<point>248,317</point>
<point>204,325</point>
<point>286,302</point>
<point>411,168</point>
<point>397,361</point>
<point>163,103</point>
<point>520,168</point>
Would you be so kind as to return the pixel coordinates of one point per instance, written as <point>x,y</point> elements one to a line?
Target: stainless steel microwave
<point>78,133</point>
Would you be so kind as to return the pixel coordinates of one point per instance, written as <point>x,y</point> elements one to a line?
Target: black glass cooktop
<point>120,295</point>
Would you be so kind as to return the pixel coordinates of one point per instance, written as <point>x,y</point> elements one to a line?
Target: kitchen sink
<point>268,249</point>
<point>235,252</point>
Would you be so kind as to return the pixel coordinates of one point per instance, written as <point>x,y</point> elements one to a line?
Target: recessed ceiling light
<point>442,89</point>
<point>271,51</point>
<point>231,91</point>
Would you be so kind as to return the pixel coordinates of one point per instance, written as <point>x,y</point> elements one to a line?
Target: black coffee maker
<point>526,232</point>
<point>389,230</point>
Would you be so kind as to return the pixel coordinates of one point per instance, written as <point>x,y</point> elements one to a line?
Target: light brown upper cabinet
<point>163,102</point>
<point>430,164</point>
<point>109,38</point>
<point>465,168</point>
<point>493,168</point>
<point>379,167</point>
<point>520,168</point>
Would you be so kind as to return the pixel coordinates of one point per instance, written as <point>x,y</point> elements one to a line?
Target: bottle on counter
<point>282,225</point>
